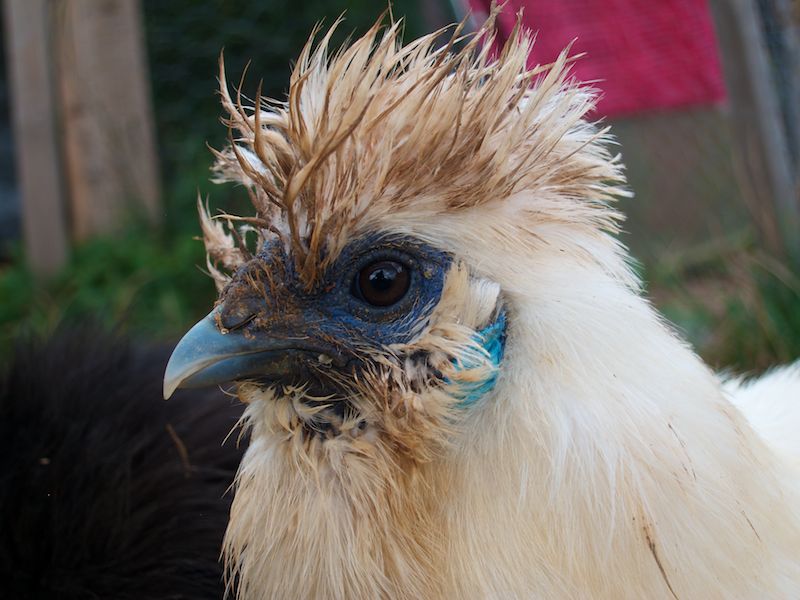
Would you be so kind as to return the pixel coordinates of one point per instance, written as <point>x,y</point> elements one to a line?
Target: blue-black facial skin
<point>266,300</point>
<point>330,311</point>
<point>398,322</point>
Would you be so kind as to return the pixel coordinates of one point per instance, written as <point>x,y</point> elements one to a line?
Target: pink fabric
<point>644,55</point>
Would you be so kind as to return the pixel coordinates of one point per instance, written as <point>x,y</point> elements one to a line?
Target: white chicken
<point>454,386</point>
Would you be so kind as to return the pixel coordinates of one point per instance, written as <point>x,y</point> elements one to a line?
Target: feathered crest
<point>381,128</point>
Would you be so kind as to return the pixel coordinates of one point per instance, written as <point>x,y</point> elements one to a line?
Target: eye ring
<point>382,283</point>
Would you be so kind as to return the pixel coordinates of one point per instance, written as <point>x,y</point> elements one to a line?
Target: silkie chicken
<point>453,385</point>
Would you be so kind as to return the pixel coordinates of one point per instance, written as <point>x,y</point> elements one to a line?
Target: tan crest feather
<point>380,128</point>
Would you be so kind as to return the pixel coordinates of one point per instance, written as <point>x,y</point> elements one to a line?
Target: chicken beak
<point>206,356</point>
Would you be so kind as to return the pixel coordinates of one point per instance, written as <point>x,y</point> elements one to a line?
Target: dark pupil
<point>383,283</point>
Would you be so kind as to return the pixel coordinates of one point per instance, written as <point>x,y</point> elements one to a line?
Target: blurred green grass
<point>738,305</point>
<point>140,280</point>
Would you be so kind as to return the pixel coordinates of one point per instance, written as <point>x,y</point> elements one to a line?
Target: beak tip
<point>171,382</point>
<point>172,379</point>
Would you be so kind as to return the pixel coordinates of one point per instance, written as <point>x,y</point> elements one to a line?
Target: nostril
<point>235,315</point>
<point>234,324</point>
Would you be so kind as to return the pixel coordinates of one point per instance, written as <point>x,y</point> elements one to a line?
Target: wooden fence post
<point>33,110</point>
<point>109,137</point>
<point>757,126</point>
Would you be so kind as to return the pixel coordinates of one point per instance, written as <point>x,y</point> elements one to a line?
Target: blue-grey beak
<point>206,356</point>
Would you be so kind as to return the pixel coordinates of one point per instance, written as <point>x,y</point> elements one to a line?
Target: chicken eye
<point>382,283</point>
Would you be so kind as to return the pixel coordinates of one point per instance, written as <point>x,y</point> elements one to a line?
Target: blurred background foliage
<point>739,305</point>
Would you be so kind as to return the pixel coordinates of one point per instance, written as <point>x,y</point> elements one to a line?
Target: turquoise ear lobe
<point>491,338</point>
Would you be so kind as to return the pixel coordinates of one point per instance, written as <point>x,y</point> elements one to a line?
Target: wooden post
<point>756,119</point>
<point>44,224</point>
<point>787,15</point>
<point>109,137</point>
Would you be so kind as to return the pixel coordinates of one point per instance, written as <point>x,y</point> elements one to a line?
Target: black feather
<point>106,490</point>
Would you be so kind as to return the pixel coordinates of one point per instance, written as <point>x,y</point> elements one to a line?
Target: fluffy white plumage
<point>609,461</point>
<point>771,404</point>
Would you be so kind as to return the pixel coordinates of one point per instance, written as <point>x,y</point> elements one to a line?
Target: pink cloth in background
<point>644,55</point>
